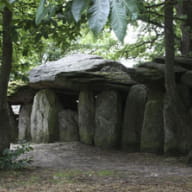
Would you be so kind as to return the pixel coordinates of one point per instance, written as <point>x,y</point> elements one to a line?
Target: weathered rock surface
<point>185,62</point>
<point>146,76</point>
<point>22,95</point>
<point>187,78</point>
<point>152,73</point>
<point>72,63</point>
<point>185,95</point>
<point>108,119</point>
<point>86,116</point>
<point>44,117</point>
<point>161,67</point>
<point>68,125</point>
<point>133,118</point>
<point>25,122</point>
<point>152,135</point>
<point>79,71</point>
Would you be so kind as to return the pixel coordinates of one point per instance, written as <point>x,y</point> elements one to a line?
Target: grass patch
<point>72,180</point>
<point>104,173</point>
<point>73,174</point>
<point>69,174</point>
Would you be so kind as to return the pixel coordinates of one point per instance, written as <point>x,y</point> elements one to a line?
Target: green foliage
<point>14,86</point>
<point>118,19</point>
<point>61,30</point>
<point>41,12</point>
<point>44,12</point>
<point>32,43</point>
<point>99,14</point>
<point>78,7</point>
<point>10,158</point>
<point>6,3</point>
<point>148,45</point>
<point>104,44</point>
<point>131,7</point>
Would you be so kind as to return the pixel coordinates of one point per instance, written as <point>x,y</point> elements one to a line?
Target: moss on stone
<point>152,136</point>
<point>44,127</point>
<point>108,119</point>
<point>86,115</point>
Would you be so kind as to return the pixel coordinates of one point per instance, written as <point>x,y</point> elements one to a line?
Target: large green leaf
<point>51,10</point>
<point>99,14</point>
<point>132,7</point>
<point>45,11</point>
<point>78,7</point>
<point>119,19</point>
<point>41,12</point>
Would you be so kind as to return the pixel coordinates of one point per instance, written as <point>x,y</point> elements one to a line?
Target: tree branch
<point>162,16</point>
<point>154,5</point>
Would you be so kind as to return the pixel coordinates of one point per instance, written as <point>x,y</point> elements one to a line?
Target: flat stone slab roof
<point>79,70</point>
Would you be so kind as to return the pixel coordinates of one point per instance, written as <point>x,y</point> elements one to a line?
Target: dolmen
<point>156,133</point>
<point>79,98</point>
<point>101,102</point>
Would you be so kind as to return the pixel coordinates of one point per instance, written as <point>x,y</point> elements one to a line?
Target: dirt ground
<point>74,167</point>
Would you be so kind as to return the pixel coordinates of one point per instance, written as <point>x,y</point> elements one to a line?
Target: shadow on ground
<point>80,168</point>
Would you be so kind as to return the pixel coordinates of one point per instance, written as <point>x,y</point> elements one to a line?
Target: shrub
<point>11,159</point>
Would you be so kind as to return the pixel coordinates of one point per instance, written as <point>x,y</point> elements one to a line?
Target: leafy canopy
<point>6,3</point>
<point>98,12</point>
<point>34,44</point>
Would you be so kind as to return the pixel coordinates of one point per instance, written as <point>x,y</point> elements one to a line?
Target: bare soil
<point>74,167</point>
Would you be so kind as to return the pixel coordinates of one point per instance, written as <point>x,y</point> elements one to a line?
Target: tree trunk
<point>176,117</point>
<point>4,78</point>
<point>184,9</point>
<point>169,50</point>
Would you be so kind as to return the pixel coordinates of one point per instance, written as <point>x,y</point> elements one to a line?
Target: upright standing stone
<point>68,125</point>
<point>44,117</point>
<point>25,122</point>
<point>184,93</point>
<point>133,118</point>
<point>152,136</point>
<point>108,119</point>
<point>86,114</point>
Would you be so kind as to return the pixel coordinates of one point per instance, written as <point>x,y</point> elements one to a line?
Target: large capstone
<point>108,119</point>
<point>76,72</point>
<point>86,114</point>
<point>152,136</point>
<point>25,122</point>
<point>133,118</point>
<point>68,125</point>
<point>44,117</point>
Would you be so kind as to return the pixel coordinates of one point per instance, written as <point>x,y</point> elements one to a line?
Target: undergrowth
<point>11,158</point>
